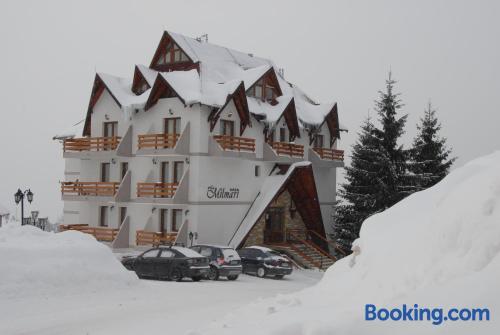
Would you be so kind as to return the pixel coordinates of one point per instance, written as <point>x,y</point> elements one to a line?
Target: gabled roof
<point>214,74</point>
<point>299,181</point>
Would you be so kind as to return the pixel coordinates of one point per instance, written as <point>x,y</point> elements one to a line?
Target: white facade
<point>205,166</point>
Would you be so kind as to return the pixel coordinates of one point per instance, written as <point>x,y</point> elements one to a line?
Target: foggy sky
<point>446,51</point>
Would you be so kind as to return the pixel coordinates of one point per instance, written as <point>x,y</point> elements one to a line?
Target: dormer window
<point>172,54</point>
<point>263,91</point>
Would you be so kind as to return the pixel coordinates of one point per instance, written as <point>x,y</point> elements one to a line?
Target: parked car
<point>224,261</point>
<point>170,263</point>
<point>263,262</point>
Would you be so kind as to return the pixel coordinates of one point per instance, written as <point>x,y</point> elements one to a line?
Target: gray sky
<point>447,51</point>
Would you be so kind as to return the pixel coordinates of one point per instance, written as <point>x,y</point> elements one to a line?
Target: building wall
<point>215,220</point>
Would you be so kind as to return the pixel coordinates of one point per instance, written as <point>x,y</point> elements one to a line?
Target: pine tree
<point>395,181</point>
<point>429,154</point>
<point>361,190</point>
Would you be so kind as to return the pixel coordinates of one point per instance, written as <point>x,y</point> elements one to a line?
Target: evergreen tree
<point>362,188</point>
<point>429,154</point>
<point>394,179</point>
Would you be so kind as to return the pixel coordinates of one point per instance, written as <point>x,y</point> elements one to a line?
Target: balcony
<point>326,157</point>
<point>164,143</point>
<point>100,233</point>
<point>288,149</point>
<point>91,144</point>
<point>143,237</point>
<point>234,143</point>
<point>70,189</point>
<point>156,190</point>
<point>331,154</point>
<point>158,141</point>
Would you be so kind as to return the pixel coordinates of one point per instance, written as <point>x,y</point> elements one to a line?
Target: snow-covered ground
<point>439,248</point>
<point>68,283</point>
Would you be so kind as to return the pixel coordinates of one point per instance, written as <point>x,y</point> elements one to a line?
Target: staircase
<point>305,254</point>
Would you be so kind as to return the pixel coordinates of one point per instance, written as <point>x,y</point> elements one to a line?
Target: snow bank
<point>439,248</point>
<point>38,263</point>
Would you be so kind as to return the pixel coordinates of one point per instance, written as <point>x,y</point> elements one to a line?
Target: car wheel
<point>176,275</point>
<point>232,277</point>
<point>213,274</point>
<point>279,276</point>
<point>196,278</point>
<point>261,272</point>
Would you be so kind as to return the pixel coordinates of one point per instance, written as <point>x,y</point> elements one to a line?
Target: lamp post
<point>19,197</point>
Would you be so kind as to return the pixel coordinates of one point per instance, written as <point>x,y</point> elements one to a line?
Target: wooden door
<point>123,215</point>
<point>176,219</point>
<point>319,141</point>
<point>124,169</point>
<point>163,220</point>
<point>103,216</point>
<point>227,127</point>
<point>105,171</point>
<point>110,129</point>
<point>164,173</point>
<point>274,231</point>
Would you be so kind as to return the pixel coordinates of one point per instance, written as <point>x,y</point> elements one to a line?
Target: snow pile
<point>38,263</point>
<point>439,248</point>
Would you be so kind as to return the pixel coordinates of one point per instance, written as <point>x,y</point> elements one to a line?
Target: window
<point>178,171</point>
<point>206,252</point>
<point>258,91</point>
<point>164,173</point>
<point>257,170</point>
<point>172,125</point>
<point>110,129</point>
<point>167,254</point>
<point>173,54</point>
<point>227,127</point>
<point>163,220</point>
<point>123,169</point>
<point>105,172</point>
<point>150,253</point>
<point>103,216</point>
<point>176,219</point>
<point>282,134</point>
<point>123,215</point>
<point>319,141</point>
<point>269,93</point>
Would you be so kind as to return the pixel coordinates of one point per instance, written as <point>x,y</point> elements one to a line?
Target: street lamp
<point>19,198</point>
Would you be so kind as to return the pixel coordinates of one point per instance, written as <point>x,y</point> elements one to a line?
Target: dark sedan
<point>263,262</point>
<point>169,263</point>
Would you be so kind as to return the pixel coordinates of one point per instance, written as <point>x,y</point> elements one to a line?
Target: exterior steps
<point>305,254</point>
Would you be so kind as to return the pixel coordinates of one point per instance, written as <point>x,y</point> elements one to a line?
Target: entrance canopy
<point>299,181</point>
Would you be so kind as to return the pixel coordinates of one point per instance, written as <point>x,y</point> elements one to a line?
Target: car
<point>224,261</point>
<point>168,263</point>
<point>263,262</point>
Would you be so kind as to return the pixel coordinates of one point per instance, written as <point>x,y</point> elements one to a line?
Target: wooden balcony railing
<point>235,143</point>
<point>288,149</point>
<point>156,190</point>
<point>91,144</point>
<point>100,233</point>
<point>103,189</point>
<point>331,154</point>
<point>154,238</point>
<point>157,141</point>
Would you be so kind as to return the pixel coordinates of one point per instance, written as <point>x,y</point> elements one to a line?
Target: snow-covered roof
<point>121,90</point>
<point>269,190</point>
<point>148,74</point>
<point>75,130</point>
<point>219,71</point>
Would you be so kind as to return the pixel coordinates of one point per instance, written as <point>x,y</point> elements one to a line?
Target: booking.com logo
<point>416,313</point>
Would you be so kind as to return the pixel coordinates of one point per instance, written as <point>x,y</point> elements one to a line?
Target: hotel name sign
<point>214,192</point>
